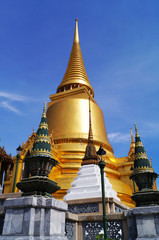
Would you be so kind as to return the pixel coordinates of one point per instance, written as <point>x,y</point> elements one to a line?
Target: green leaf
<point>101,237</point>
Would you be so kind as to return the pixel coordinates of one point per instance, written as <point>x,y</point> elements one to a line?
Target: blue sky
<point>120,46</point>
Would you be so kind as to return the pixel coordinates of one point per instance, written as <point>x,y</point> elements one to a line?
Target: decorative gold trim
<point>141,157</point>
<point>82,141</point>
<point>142,168</point>
<point>44,137</point>
<point>43,125</point>
<point>43,140</point>
<point>46,152</point>
<point>138,144</point>
<point>141,154</point>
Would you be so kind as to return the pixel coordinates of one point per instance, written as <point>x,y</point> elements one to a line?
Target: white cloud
<point>8,100</point>
<point>119,137</point>
<point>9,107</point>
<point>14,97</point>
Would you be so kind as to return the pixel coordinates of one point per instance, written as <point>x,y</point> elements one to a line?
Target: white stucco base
<point>88,184</point>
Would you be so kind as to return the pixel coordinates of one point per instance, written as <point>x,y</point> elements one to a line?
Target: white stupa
<point>88,182</point>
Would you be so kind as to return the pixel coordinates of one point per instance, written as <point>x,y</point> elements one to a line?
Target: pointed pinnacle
<point>90,135</point>
<point>132,138</point>
<point>44,110</point>
<point>75,73</point>
<point>76,36</point>
<point>136,130</point>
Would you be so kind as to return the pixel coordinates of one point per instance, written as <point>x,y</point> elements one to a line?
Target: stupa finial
<point>132,138</point>
<point>90,153</point>
<point>136,130</point>
<point>90,134</point>
<point>76,36</point>
<point>132,147</point>
<point>44,110</point>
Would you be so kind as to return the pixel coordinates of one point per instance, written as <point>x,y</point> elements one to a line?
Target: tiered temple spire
<point>39,164</point>
<point>75,75</point>
<point>144,177</point>
<point>141,160</point>
<point>42,146</point>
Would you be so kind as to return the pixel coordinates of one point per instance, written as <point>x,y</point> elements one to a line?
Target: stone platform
<point>143,223</point>
<point>146,198</point>
<point>33,238</point>
<point>34,218</point>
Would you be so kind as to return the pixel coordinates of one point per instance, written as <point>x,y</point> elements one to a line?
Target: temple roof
<point>6,160</point>
<point>4,156</point>
<point>75,74</point>
<point>141,160</point>
<point>42,146</point>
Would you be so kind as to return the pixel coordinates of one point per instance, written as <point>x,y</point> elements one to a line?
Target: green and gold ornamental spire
<point>141,160</point>
<point>39,164</point>
<point>42,146</point>
<point>144,176</point>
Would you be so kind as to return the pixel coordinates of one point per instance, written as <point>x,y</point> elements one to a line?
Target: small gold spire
<point>90,135</point>
<point>136,130</point>
<point>76,36</point>
<point>44,110</point>
<point>132,147</point>
<point>132,138</point>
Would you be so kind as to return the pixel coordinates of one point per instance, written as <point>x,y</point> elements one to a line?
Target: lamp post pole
<point>133,179</point>
<point>101,164</point>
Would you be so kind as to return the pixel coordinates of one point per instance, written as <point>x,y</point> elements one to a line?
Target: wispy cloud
<point>6,105</point>
<point>9,99</point>
<point>119,137</point>
<point>14,97</point>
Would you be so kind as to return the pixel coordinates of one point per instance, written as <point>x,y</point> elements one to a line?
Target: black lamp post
<point>16,169</point>
<point>132,169</point>
<point>101,164</point>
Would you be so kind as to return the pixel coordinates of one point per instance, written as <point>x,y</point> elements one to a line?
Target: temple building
<point>68,123</point>
<point>6,167</point>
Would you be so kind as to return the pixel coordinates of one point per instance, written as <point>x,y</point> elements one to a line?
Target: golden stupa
<point>68,121</point>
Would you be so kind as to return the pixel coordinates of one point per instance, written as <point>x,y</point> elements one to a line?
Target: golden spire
<point>137,135</point>
<point>132,138</point>
<point>90,134</point>
<point>44,110</point>
<point>76,36</point>
<point>75,75</point>
<point>132,148</point>
<point>91,156</point>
